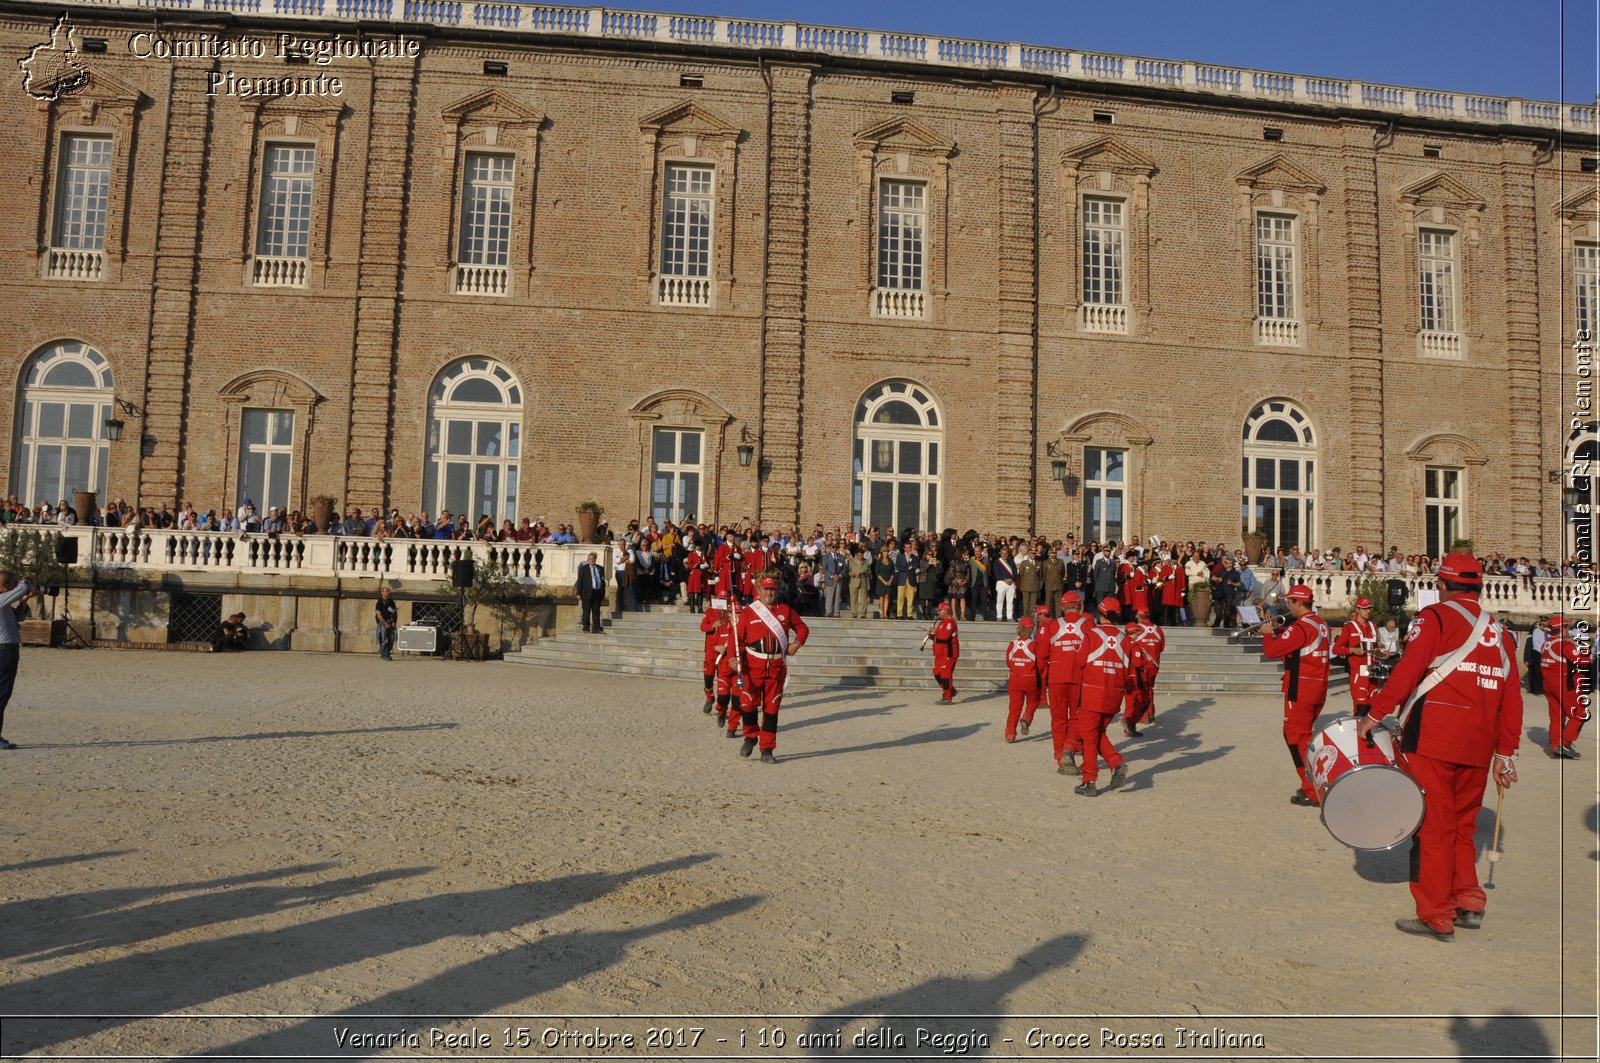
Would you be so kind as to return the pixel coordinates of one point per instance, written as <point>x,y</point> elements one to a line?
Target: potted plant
<point>322,510</point>
<point>1200,602</point>
<point>492,584</point>
<point>1255,545</point>
<point>32,556</point>
<point>589,514</point>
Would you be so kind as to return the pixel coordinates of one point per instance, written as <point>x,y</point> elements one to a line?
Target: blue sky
<point>1536,49</point>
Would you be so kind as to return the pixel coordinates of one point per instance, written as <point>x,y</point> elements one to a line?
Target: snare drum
<point>1367,802</point>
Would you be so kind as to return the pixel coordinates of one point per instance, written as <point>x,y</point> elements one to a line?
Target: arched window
<point>474,441</point>
<point>61,444</point>
<point>897,456</point>
<point>1279,475</point>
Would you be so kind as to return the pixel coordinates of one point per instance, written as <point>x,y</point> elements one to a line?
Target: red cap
<point>1363,603</point>
<point>1555,622</point>
<point>1071,596</point>
<point>769,581</point>
<point>1141,612</point>
<point>1026,622</point>
<point>1300,593</point>
<point>1109,606</point>
<point>944,607</point>
<point>1041,610</point>
<point>1461,568</point>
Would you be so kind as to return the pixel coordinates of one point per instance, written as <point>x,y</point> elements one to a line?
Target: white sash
<point>765,616</point>
<point>1446,663</point>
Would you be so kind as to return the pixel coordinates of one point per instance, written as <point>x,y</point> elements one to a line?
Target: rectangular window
<point>82,191</point>
<point>1102,252</point>
<point>1104,484</point>
<point>902,224</point>
<point>1442,508</point>
<point>1586,284</point>
<point>285,229</point>
<point>1436,260</point>
<point>486,210</point>
<point>266,451</point>
<point>686,222</point>
<point>675,474</point>
<point>1275,267</point>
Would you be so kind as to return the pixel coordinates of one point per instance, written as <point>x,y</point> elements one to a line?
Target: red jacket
<point>1022,660</point>
<point>1058,644</point>
<point>1151,640</point>
<point>1477,709</point>
<point>1176,582</point>
<point>1303,648</point>
<point>1106,661</point>
<point>1562,665</point>
<point>1137,589</point>
<point>709,623</point>
<point>758,646</point>
<point>946,641</point>
<point>1356,639</point>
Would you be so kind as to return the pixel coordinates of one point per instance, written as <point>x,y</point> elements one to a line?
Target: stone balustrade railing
<point>549,567</point>
<point>539,20</point>
<point>1506,596</point>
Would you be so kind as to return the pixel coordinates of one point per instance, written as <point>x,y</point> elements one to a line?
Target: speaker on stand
<point>67,556</point>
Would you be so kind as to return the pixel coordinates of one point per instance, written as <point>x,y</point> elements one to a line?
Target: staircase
<point>667,642</point>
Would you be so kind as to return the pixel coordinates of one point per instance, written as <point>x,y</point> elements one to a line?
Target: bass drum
<point>1367,801</point>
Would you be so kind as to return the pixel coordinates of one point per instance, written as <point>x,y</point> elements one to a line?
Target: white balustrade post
<point>1191,77</point>
<point>1013,55</point>
<point>597,22</point>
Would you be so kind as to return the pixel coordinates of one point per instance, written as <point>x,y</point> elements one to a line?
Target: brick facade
<point>788,343</point>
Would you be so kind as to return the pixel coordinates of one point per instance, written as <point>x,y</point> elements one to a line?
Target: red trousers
<point>944,673</point>
<point>1024,703</point>
<point>1063,703</point>
<point>1298,719</point>
<point>1444,857</point>
<point>1564,726</point>
<point>1092,741</point>
<point>1141,701</point>
<point>1360,686</point>
<point>760,700</point>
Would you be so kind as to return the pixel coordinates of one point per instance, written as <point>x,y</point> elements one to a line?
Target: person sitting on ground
<point>235,635</point>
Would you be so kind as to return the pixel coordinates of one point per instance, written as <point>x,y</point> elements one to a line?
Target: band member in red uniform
<point>1136,590</point>
<point>946,651</point>
<point>767,634</point>
<point>1025,682</point>
<point>1106,663</point>
<point>1302,645</point>
<point>1355,644</point>
<point>1564,668</point>
<point>694,584</point>
<point>1174,582</point>
<point>725,644</point>
<point>711,623</point>
<point>1060,641</point>
<point>724,567</point>
<point>1459,702</point>
<point>1041,620</point>
<point>1141,704</point>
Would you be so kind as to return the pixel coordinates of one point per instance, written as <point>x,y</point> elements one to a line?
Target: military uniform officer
<point>1053,579</point>
<point>1029,582</point>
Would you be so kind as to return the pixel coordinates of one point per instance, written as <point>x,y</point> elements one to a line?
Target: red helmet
<point>1363,603</point>
<point>1110,606</point>
<point>1556,622</point>
<point>1026,623</point>
<point>1461,568</point>
<point>769,581</point>
<point>1041,610</point>
<point>944,607</point>
<point>1300,593</point>
<point>1071,596</point>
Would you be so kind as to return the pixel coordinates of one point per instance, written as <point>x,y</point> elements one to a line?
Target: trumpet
<point>1267,626</point>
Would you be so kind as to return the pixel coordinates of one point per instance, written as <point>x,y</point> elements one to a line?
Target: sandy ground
<point>556,863</point>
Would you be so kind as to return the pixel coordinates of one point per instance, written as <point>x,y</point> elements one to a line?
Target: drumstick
<point>1494,849</point>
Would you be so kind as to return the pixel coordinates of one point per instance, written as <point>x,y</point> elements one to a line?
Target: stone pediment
<point>493,107</point>
<point>688,117</point>
<point>1279,172</point>
<point>1441,190</point>
<point>1446,446</point>
<point>902,134</point>
<point>1580,207</point>
<point>1108,154</point>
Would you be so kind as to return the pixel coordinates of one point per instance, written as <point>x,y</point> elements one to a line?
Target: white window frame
<point>1439,291</point>
<point>1301,454</point>
<point>486,224</point>
<point>900,268</point>
<point>273,454</point>
<point>504,415</point>
<point>283,221</point>
<point>81,209</point>
<point>1103,265</point>
<point>674,471</point>
<point>1277,279</point>
<point>687,255</point>
<point>1102,488</point>
<point>928,436</point>
<point>1437,506</point>
<point>1586,288</point>
<point>32,395</point>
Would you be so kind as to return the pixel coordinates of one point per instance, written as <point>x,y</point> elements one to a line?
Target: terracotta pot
<point>588,525</point>
<point>1200,606</point>
<point>322,513</point>
<point>83,502</point>
<point>1254,550</point>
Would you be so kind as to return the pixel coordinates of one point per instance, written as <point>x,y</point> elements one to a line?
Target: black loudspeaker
<point>462,573</point>
<point>67,550</point>
<point>1397,594</point>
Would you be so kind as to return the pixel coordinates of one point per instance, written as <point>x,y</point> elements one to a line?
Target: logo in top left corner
<point>56,68</point>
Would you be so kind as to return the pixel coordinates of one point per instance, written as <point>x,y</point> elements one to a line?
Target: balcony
<point>1440,344</point>
<point>1103,317</point>
<point>683,291</point>
<point>74,264</point>
<point>1277,332</point>
<point>482,280</point>
<point>905,303</point>
<point>278,271</point>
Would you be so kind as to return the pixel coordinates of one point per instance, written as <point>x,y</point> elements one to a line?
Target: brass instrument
<point>1266,627</point>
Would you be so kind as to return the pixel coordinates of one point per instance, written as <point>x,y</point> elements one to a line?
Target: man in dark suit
<point>591,589</point>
